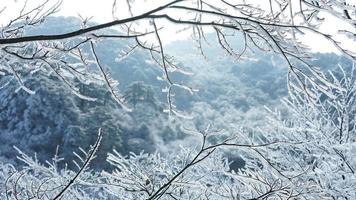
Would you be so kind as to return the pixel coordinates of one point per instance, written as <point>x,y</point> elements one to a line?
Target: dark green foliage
<point>56,117</point>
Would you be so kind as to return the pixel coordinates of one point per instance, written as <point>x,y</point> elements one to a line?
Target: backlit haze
<point>101,11</point>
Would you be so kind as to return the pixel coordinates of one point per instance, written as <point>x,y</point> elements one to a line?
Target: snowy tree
<point>323,161</point>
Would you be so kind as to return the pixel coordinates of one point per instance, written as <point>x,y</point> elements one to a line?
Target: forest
<point>242,108</point>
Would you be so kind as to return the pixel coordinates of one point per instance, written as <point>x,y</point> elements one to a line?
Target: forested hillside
<point>231,95</point>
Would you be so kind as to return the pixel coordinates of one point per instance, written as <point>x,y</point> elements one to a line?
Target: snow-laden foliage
<point>38,181</point>
<point>304,151</point>
<point>327,130</point>
<point>189,174</point>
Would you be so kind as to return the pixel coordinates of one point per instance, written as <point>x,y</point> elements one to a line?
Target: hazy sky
<point>101,11</point>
